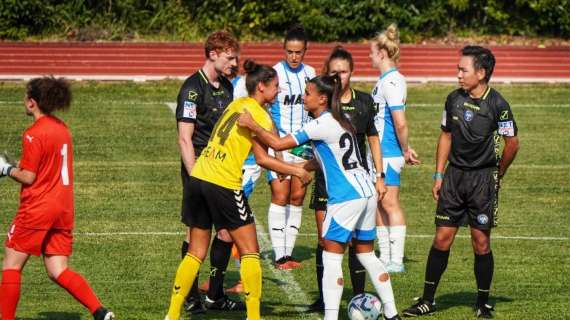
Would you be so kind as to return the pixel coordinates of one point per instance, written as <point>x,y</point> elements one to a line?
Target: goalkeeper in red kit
<point>44,222</point>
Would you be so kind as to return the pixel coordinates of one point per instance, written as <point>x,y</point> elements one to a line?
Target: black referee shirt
<point>200,103</point>
<point>475,126</point>
<point>361,111</point>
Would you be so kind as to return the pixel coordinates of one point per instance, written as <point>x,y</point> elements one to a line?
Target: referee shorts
<point>319,194</point>
<point>468,197</point>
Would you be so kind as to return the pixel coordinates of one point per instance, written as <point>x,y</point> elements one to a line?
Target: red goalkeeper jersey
<point>47,151</point>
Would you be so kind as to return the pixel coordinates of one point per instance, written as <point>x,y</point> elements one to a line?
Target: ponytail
<point>332,88</point>
<point>256,73</point>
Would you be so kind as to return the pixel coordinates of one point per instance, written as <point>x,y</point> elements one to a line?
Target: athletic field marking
<point>286,280</point>
<point>172,105</point>
<point>513,105</point>
<point>170,163</point>
<point>266,242</point>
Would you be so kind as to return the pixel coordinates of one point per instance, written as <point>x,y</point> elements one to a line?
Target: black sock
<point>219,257</point>
<point>484,266</point>
<point>436,264</point>
<point>357,272</point>
<point>320,269</point>
<point>194,293</point>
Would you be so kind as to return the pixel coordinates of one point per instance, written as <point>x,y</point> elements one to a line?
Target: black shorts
<point>207,204</point>
<point>468,197</point>
<point>319,194</point>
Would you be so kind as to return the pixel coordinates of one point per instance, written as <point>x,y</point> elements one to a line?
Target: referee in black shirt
<point>201,101</point>
<point>474,119</point>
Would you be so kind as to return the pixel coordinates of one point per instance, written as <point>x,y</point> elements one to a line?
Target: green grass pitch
<point>128,192</point>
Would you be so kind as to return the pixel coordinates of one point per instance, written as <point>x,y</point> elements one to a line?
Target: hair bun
<point>249,66</point>
<point>392,33</point>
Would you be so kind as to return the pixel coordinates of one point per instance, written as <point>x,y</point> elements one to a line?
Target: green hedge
<point>325,20</point>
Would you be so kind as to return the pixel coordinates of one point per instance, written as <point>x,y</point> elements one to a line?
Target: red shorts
<point>58,242</point>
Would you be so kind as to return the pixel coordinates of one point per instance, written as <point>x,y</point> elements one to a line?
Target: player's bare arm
<point>10,169</point>
<point>185,132</point>
<point>509,154</point>
<point>401,126</point>
<point>269,138</point>
<point>443,148</point>
<point>376,151</point>
<point>271,163</point>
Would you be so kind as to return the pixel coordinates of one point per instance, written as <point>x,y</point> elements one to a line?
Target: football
<point>364,306</point>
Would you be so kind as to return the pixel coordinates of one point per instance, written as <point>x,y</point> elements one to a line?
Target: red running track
<point>151,61</point>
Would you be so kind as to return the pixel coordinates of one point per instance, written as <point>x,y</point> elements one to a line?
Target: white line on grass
<point>314,235</point>
<point>514,105</point>
<point>287,282</point>
<point>172,105</point>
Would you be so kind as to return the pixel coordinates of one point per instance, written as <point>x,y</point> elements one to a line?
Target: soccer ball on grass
<point>364,306</point>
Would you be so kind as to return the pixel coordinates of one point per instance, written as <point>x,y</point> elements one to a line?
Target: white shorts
<point>354,218</point>
<point>251,173</point>
<point>392,168</point>
<point>287,157</point>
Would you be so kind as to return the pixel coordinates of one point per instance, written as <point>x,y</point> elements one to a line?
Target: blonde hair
<point>389,40</point>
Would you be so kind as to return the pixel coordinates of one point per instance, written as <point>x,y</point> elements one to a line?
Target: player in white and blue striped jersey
<point>288,114</point>
<point>352,194</point>
<point>389,95</point>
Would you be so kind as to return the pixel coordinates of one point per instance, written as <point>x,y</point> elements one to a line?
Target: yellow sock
<point>185,275</point>
<point>250,273</point>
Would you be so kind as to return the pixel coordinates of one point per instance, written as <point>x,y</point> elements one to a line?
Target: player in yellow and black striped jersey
<point>216,190</point>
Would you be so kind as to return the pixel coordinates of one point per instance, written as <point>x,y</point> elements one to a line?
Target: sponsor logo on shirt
<point>192,95</point>
<point>504,115</point>
<point>30,138</point>
<point>293,99</point>
<point>471,106</point>
<point>189,110</point>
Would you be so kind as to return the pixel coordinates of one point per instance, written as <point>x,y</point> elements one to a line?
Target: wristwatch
<point>380,175</point>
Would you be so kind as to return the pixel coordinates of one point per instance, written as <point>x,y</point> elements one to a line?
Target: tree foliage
<point>325,20</point>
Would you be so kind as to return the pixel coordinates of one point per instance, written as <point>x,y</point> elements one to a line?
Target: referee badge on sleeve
<point>189,110</point>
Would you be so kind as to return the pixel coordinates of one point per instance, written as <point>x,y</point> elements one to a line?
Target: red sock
<point>10,293</point>
<point>78,287</point>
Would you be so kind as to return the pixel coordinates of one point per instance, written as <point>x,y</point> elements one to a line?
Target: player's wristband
<point>438,176</point>
<point>380,175</point>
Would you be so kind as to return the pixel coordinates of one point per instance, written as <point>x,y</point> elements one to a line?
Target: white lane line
<point>172,105</point>
<point>513,105</point>
<point>267,243</point>
<point>168,163</point>
<point>287,282</point>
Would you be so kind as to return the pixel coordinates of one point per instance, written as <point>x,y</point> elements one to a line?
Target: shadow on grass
<point>468,299</point>
<point>300,253</point>
<point>56,316</point>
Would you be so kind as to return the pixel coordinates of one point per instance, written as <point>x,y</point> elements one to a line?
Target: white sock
<point>376,269</point>
<point>333,284</point>
<point>293,224</point>
<point>397,243</point>
<point>383,236</point>
<point>276,223</point>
